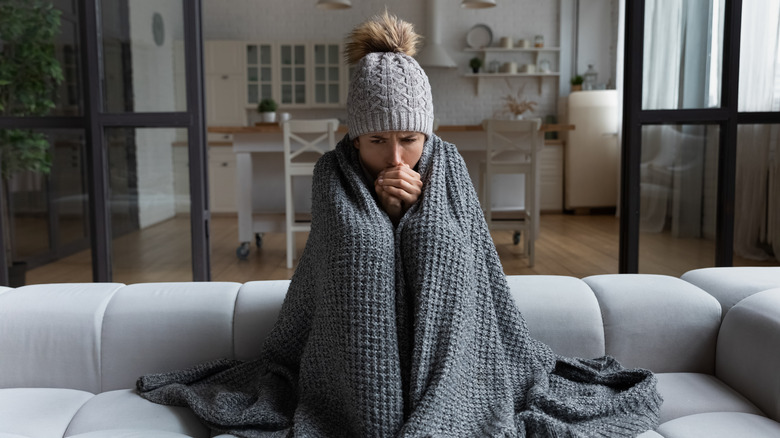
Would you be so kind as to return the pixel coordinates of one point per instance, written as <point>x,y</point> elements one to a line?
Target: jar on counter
<point>539,41</point>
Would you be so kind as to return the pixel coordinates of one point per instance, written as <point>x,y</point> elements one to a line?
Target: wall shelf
<point>535,52</point>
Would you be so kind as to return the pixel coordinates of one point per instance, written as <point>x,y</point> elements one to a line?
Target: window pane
<point>286,74</point>
<point>300,94</point>
<point>266,91</point>
<point>682,54</point>
<point>757,196</point>
<point>286,55</point>
<point>265,74</point>
<point>333,93</point>
<point>252,93</point>
<point>265,54</point>
<point>319,93</point>
<point>678,197</point>
<point>319,73</point>
<point>251,74</point>
<point>333,54</point>
<point>300,74</point>
<point>319,54</point>
<point>143,55</point>
<point>251,54</point>
<point>759,57</point>
<point>150,202</point>
<point>287,93</point>
<point>50,213</point>
<point>333,73</point>
<point>299,55</point>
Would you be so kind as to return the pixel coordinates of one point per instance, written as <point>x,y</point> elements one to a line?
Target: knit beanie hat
<point>389,90</point>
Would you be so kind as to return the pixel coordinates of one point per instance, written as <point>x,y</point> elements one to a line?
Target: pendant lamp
<point>334,4</point>
<point>478,4</point>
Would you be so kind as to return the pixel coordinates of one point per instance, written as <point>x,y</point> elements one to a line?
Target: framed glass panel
<point>333,54</point>
<point>300,74</point>
<point>300,55</point>
<point>333,93</point>
<point>319,54</point>
<point>759,56</point>
<point>49,213</point>
<point>252,74</point>
<point>265,54</point>
<point>757,196</point>
<point>150,201</point>
<point>251,54</point>
<point>678,198</point>
<point>143,56</point>
<point>327,75</point>
<point>258,72</point>
<point>287,93</point>
<point>683,45</point>
<point>252,93</point>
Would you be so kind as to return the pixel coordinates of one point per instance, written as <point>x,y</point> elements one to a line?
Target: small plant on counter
<point>516,104</point>
<point>576,83</point>
<point>475,63</point>
<point>267,109</point>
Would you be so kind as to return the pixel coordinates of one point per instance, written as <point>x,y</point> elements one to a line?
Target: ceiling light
<point>477,4</point>
<point>334,4</point>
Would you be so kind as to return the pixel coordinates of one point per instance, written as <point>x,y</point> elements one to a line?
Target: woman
<point>398,320</point>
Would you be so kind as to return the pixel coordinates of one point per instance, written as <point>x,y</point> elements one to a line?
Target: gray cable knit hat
<point>389,90</point>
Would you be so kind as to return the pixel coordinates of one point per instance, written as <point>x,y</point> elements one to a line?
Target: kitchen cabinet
<point>222,179</point>
<point>259,72</point>
<point>224,81</point>
<point>522,56</point>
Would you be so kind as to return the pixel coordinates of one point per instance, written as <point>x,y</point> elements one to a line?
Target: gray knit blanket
<point>406,331</point>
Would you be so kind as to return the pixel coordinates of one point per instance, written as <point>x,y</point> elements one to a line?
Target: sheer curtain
<point>757,208</point>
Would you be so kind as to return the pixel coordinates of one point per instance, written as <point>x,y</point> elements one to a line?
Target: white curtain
<point>757,208</point>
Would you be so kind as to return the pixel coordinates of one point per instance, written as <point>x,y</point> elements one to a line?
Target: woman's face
<point>382,150</point>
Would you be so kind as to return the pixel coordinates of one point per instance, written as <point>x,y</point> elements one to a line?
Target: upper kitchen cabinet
<point>328,74</point>
<point>259,73</point>
<point>293,72</point>
<point>225,79</point>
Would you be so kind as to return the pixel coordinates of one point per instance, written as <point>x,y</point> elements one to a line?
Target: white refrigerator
<point>592,156</point>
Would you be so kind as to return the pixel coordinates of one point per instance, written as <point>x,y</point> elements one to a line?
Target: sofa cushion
<point>197,316</point>
<point>124,409</point>
<point>657,322</point>
<point>694,393</point>
<point>560,311</point>
<point>51,335</point>
<point>731,285</point>
<point>257,308</point>
<point>39,412</point>
<point>720,425</point>
<point>748,357</point>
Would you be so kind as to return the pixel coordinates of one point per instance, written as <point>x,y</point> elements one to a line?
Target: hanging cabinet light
<point>334,4</point>
<point>477,4</point>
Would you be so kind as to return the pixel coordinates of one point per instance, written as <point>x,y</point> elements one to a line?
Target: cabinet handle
<point>224,76</point>
<point>224,164</point>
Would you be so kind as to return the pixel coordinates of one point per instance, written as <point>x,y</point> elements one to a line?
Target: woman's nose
<point>395,154</point>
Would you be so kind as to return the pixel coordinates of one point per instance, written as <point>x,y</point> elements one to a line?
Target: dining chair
<point>305,141</point>
<point>513,147</point>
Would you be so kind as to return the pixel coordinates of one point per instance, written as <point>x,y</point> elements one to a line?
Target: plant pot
<point>268,117</point>
<point>576,87</point>
<point>475,70</point>
<point>17,273</point>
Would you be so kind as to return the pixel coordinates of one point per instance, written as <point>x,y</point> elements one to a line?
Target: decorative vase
<point>268,117</point>
<point>518,117</point>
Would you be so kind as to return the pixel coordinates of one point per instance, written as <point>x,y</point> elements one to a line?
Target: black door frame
<point>94,121</point>
<point>727,117</point>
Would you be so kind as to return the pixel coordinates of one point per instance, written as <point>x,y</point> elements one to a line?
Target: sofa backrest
<point>98,336</point>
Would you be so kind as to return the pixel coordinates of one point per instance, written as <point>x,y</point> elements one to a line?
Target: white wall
<point>455,100</point>
<point>154,90</point>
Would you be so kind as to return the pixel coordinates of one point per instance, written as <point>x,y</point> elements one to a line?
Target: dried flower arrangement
<point>517,104</point>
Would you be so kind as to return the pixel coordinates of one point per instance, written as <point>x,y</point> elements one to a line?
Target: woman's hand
<point>398,188</point>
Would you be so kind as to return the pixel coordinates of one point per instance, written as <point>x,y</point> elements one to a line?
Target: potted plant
<point>516,104</point>
<point>29,76</point>
<point>267,110</point>
<point>475,63</point>
<point>576,83</point>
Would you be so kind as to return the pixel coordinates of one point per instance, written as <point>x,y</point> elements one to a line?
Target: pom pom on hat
<point>389,90</point>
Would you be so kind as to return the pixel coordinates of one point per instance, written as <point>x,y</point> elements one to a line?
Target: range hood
<point>433,53</point>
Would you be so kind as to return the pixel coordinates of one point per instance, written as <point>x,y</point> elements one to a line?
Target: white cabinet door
<point>222,179</point>
<point>223,56</point>
<point>225,100</point>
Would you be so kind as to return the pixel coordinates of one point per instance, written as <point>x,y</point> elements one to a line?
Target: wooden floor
<point>575,245</point>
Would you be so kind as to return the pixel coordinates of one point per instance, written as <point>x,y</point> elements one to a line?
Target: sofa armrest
<point>733,284</point>
<point>748,352</point>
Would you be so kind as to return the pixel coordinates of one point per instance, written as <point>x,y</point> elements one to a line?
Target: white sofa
<point>70,353</point>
